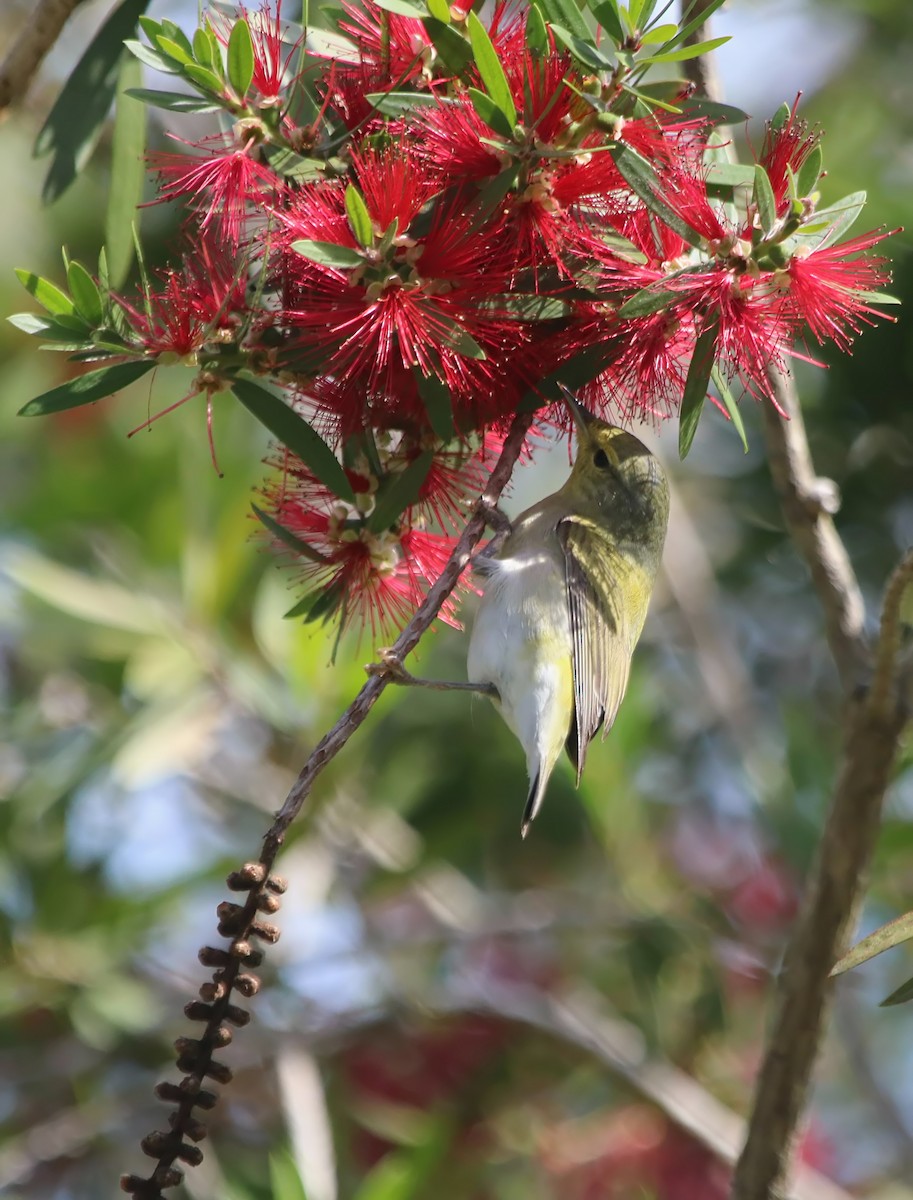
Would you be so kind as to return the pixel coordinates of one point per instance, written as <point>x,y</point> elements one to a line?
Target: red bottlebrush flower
<point>399,47</point>
<point>275,53</point>
<point>785,149</point>
<point>394,183</point>
<point>203,300</point>
<point>369,579</point>
<point>221,186</point>
<point>829,290</point>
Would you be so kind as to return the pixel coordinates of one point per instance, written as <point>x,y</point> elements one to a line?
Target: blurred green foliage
<point>156,708</point>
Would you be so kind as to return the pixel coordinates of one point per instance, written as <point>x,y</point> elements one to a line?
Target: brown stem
<point>244,923</point>
<point>41,30</point>
<point>808,503</point>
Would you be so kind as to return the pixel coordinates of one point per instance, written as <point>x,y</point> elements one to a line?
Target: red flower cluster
<point>433,228</point>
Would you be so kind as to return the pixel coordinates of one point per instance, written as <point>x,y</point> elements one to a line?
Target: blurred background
<point>423,1024</point>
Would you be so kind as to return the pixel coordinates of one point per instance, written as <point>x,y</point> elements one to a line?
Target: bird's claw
<point>390,664</point>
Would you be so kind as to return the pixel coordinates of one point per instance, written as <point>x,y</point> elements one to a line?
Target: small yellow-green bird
<point>565,599</point>
<point>566,591</point>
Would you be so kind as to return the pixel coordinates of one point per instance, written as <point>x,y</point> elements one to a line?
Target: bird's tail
<point>533,800</point>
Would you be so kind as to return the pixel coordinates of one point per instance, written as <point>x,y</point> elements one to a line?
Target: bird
<point>564,600</point>
<point>565,591</point>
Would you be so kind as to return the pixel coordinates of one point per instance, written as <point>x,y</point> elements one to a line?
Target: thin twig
<point>41,29</point>
<point>808,503</point>
<point>351,719</point>
<point>244,923</point>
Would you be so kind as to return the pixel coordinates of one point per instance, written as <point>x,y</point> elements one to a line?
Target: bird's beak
<point>583,418</point>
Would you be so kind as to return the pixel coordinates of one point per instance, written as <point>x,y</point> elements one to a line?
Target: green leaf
<point>294,432</point>
<point>713,111</point>
<point>359,217</point>
<point>87,388</point>
<point>176,34</point>
<point>884,938</point>
<point>684,52</point>
<point>729,403</point>
<point>395,104</point>
<point>173,50</point>
<point>780,117</point>
<point>455,337</point>
<point>74,124</point>
<point>48,295</point>
<point>536,30</point>
<point>84,291</point>
<point>440,10</point>
<point>642,179</point>
<point>648,300</point>
<point>179,102</point>
<point>329,254</point>
<point>435,395</point>
<point>128,173</point>
<point>240,58</point>
<point>151,57</point>
<point>728,174</point>
<point>900,996</point>
<point>809,173</point>
<point>203,50</point>
<point>404,8</point>
<point>705,11</point>
<point>608,16</point>
<point>389,1179</point>
<point>321,603</point>
<point>763,199</point>
<point>205,80</point>
<point>293,166</point>
<point>567,14</point>
<point>284,1178</point>
<point>495,118</point>
<point>397,492</point>
<point>696,384</point>
<point>658,34</point>
<point>287,537</point>
<point>584,51</point>
<point>70,331</point>
<point>454,51</point>
<point>828,225</point>
<point>490,69</point>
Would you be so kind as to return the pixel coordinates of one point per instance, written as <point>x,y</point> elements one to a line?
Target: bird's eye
<point>601,460</point>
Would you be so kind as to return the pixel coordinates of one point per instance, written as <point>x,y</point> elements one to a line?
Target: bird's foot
<point>391,665</point>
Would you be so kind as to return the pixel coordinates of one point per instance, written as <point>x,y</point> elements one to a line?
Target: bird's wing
<point>607,609</point>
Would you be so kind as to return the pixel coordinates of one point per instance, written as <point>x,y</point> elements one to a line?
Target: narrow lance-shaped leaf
<point>128,172</point>
<point>294,432</point>
<point>455,52</point>
<point>608,16</point>
<point>683,53</point>
<point>48,295</point>
<point>642,179</point>
<point>696,384</point>
<point>436,397</point>
<point>329,254</point>
<point>763,198</point>
<point>240,58</point>
<point>809,173</point>
<point>490,69</point>
<point>582,50</point>
<point>729,403</point>
<point>900,996</point>
<point>74,124</point>
<point>85,389</point>
<point>179,102</point>
<point>403,8</point>
<point>567,14</point>
<point>493,116</point>
<point>359,217</point>
<point>84,291</point>
<point>440,10</point>
<point>289,539</point>
<point>536,31</point>
<point>397,492</point>
<point>892,934</point>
